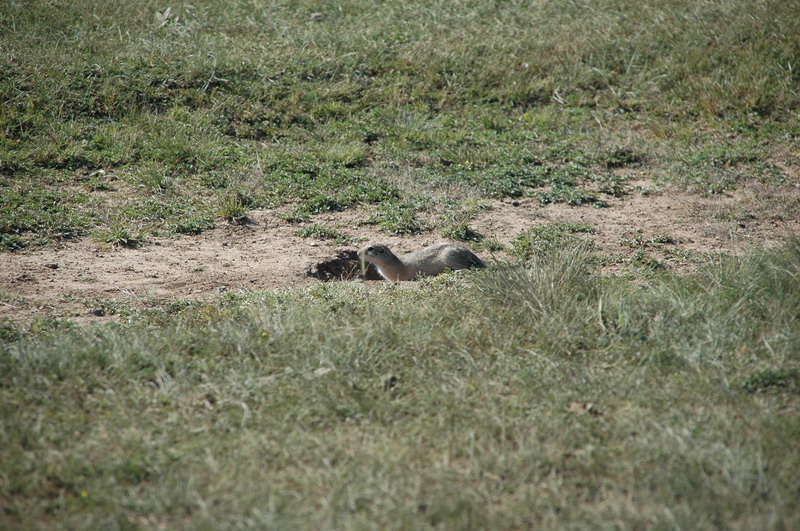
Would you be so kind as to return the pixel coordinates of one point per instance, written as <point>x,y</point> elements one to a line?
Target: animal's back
<point>438,257</point>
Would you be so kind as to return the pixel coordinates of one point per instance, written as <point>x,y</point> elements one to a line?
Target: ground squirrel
<point>429,261</point>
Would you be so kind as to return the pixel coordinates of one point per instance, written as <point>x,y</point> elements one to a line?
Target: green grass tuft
<point>543,238</point>
<point>318,231</point>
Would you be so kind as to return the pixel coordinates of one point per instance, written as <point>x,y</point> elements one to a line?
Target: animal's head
<point>373,252</point>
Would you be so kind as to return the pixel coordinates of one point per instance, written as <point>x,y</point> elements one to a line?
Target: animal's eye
<point>370,249</point>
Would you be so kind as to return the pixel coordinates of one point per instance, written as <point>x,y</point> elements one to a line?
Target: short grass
<point>537,395</point>
<point>541,239</point>
<point>321,232</point>
<point>175,119</point>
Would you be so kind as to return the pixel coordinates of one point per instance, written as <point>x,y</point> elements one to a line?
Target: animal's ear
<point>381,250</point>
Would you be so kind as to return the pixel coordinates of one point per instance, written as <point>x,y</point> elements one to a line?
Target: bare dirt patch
<point>78,279</point>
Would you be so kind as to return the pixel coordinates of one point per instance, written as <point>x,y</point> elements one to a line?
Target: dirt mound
<point>344,266</point>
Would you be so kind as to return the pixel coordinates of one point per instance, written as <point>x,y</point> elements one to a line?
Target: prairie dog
<point>426,262</point>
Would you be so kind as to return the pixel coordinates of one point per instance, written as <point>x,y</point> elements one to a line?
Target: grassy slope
<point>456,404</point>
<point>448,404</point>
<point>120,124</point>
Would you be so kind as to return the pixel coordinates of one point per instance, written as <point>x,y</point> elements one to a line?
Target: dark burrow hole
<point>344,266</point>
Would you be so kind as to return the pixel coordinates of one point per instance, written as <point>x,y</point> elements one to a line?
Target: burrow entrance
<point>344,266</point>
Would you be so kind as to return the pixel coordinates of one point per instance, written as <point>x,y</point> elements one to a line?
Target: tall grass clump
<point>534,395</point>
<point>739,306</point>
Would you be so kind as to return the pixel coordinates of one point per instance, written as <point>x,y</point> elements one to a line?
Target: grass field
<point>126,120</point>
<point>540,393</point>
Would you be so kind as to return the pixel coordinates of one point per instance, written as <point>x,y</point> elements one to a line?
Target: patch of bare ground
<point>673,225</point>
<point>78,279</point>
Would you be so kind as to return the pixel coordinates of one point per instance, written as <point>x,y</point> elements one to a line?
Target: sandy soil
<point>76,278</point>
